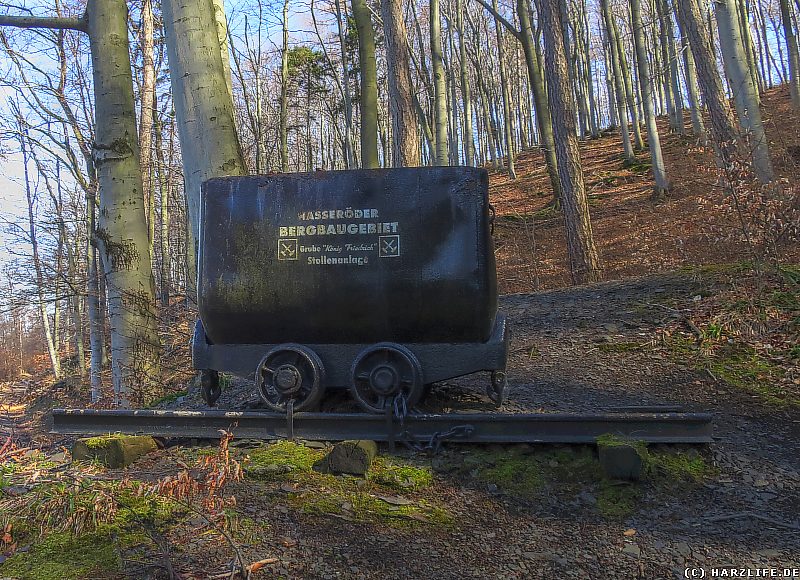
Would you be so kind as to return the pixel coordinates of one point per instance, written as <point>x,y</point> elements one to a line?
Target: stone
<point>113,451</point>
<point>632,550</point>
<point>349,457</point>
<point>683,549</point>
<point>620,461</point>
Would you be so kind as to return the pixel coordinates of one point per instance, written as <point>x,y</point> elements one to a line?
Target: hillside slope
<point>635,235</point>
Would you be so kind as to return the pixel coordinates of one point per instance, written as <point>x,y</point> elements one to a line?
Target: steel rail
<point>652,427</point>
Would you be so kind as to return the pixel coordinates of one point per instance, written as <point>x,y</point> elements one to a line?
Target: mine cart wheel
<point>498,388</point>
<point>209,386</point>
<point>290,372</point>
<point>383,372</point>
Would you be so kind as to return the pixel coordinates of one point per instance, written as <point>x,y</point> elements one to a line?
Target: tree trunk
<point>583,257</point>
<point>505,97</point>
<point>646,88</point>
<point>146,98</point>
<point>733,52</point>
<point>723,130</point>
<point>698,126</point>
<point>619,90</point>
<point>627,83</point>
<point>466,90</point>
<point>791,48</point>
<point>122,234</point>
<point>41,304</point>
<point>203,106</point>
<point>284,98</point>
<point>369,84</point>
<point>405,139</point>
<point>349,156</point>
<point>441,156</point>
<point>544,120</point>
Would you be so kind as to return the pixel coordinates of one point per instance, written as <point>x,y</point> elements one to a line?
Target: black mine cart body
<point>379,281</point>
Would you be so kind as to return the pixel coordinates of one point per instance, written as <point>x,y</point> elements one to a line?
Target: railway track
<point>653,425</point>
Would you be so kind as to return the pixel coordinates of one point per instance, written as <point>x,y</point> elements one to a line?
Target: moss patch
<point>512,472</point>
<point>742,367</point>
<point>680,466</point>
<point>282,457</point>
<point>618,500</point>
<point>400,476</point>
<point>619,347</point>
<point>348,497</point>
<point>169,398</point>
<point>60,555</point>
<point>101,441</point>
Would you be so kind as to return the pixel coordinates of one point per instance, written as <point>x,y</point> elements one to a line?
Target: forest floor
<point>683,319</point>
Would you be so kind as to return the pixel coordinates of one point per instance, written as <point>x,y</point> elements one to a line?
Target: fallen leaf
<point>260,564</point>
<point>629,532</point>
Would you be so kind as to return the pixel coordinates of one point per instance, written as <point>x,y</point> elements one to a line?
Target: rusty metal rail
<point>653,427</point>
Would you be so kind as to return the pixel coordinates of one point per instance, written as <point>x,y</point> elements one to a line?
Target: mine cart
<point>377,281</point>
<point>380,282</point>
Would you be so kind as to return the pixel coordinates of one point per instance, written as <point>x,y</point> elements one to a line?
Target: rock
<point>683,549</point>
<point>620,461</point>
<point>14,490</point>
<point>632,550</point>
<point>113,451</point>
<point>59,457</point>
<point>350,457</point>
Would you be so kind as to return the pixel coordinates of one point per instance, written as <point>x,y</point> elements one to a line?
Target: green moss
<point>60,555</point>
<point>152,509</point>
<point>617,501</point>
<point>680,466</point>
<point>399,476</point>
<point>351,498</point>
<point>742,367</point>
<point>511,471</point>
<point>101,441</point>
<point>617,347</point>
<point>284,456</point>
<point>169,398</point>
<point>611,440</point>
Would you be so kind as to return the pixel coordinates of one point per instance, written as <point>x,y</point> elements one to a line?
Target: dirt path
<point>583,350</point>
<point>579,350</point>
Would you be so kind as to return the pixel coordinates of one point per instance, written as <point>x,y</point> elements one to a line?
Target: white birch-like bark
<point>200,73</point>
<point>121,233</point>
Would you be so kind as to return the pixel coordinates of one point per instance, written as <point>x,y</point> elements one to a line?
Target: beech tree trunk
<point>405,139</point>
<point>203,106</point>
<point>441,155</point>
<point>122,234</point>
<point>646,88</point>
<point>723,128</point>
<point>369,84</point>
<point>146,100</point>
<point>619,88</point>
<point>791,48</point>
<point>284,98</point>
<point>745,92</point>
<point>583,256</point>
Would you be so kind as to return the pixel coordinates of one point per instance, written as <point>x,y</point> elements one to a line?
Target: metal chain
<point>434,444</point>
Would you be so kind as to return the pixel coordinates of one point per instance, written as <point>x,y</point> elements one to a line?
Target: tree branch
<point>510,27</point>
<point>44,22</point>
